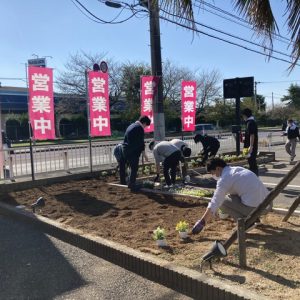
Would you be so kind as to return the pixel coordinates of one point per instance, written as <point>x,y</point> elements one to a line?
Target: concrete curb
<point>284,211</point>
<point>180,279</point>
<point>23,185</point>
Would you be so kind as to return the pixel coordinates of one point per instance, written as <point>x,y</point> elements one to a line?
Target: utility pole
<point>255,100</point>
<point>272,102</point>
<point>156,68</point>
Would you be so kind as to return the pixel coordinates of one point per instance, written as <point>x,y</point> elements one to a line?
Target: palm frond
<point>259,14</point>
<point>293,21</point>
<point>183,9</point>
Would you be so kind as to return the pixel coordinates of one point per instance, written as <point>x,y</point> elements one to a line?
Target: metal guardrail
<point>76,157</point>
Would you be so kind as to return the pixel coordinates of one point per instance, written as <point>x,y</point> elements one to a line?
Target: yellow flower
<point>182,226</point>
<point>245,151</point>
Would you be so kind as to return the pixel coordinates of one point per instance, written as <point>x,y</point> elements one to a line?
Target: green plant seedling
<point>159,233</point>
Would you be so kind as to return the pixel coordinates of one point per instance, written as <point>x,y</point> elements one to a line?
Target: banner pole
<point>89,120</point>
<point>29,127</point>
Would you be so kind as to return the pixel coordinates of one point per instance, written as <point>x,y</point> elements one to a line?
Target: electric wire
<point>275,36</point>
<point>97,19</point>
<point>227,41</point>
<point>228,34</point>
<point>235,17</point>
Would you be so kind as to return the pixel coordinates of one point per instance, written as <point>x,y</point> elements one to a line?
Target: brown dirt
<point>130,218</point>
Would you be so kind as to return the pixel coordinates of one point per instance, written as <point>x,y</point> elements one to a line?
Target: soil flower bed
<point>128,218</point>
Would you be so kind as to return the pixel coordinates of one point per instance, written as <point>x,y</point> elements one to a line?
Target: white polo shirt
<point>241,182</point>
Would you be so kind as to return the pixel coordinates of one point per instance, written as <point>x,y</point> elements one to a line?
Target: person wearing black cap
<point>251,139</point>
<point>132,147</point>
<point>210,146</point>
<point>169,155</point>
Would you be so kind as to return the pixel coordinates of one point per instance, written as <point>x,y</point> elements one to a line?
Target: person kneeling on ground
<point>169,155</point>
<point>210,146</point>
<point>239,191</point>
<point>186,152</point>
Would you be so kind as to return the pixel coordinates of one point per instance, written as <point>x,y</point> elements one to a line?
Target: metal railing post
<point>66,161</point>
<point>31,159</point>
<point>11,171</point>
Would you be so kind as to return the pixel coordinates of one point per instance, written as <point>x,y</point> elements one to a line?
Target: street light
<point>156,63</point>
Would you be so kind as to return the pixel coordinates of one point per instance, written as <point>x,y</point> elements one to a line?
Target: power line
<point>226,41</point>
<point>281,81</point>
<point>228,34</point>
<point>96,19</point>
<point>275,35</point>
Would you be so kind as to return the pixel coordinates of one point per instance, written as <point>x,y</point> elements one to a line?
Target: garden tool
<point>40,202</point>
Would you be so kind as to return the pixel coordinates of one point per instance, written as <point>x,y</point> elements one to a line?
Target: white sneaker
<point>168,186</point>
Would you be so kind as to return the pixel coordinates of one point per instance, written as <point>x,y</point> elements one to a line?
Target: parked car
<point>208,129</point>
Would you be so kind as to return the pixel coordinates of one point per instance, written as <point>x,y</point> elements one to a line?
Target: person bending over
<point>169,155</point>
<point>239,191</point>
<point>210,146</point>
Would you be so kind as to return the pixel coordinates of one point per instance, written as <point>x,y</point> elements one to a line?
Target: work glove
<point>198,227</point>
<point>156,178</point>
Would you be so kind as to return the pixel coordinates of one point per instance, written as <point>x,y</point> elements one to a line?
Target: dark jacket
<point>209,142</point>
<point>293,133</point>
<point>251,128</point>
<point>133,144</point>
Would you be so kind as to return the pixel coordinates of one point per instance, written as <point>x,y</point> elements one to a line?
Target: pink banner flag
<point>188,105</point>
<point>148,93</point>
<point>99,104</point>
<point>41,107</point>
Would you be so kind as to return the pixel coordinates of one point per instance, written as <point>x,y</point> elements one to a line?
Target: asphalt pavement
<point>34,265</point>
<point>275,171</point>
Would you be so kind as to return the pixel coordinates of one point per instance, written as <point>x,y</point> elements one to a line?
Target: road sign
<point>103,66</point>
<point>37,62</point>
<point>238,87</point>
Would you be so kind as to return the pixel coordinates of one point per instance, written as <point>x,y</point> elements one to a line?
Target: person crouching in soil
<point>210,146</point>
<point>186,152</point>
<point>239,191</point>
<point>169,155</point>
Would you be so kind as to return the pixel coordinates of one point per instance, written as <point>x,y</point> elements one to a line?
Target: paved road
<point>272,177</point>
<point>36,266</point>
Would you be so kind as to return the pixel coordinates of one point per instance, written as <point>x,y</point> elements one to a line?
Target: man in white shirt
<point>239,191</point>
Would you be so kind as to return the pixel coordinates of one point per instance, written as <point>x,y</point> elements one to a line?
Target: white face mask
<point>215,177</point>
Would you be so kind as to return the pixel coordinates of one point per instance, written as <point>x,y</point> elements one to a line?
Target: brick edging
<point>180,279</point>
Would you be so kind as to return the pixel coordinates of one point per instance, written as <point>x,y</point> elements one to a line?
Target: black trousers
<point>133,162</point>
<point>170,166</point>
<point>252,163</point>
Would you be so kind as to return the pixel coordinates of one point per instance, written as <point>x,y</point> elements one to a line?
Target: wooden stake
<point>273,194</point>
<point>242,242</point>
<point>292,209</point>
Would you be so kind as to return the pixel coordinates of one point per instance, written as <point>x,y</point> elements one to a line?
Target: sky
<point>57,28</point>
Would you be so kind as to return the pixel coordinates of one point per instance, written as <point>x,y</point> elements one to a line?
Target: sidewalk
<point>36,266</point>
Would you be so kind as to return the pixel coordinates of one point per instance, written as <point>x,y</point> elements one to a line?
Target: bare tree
<point>173,75</point>
<point>208,87</point>
<point>72,80</point>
